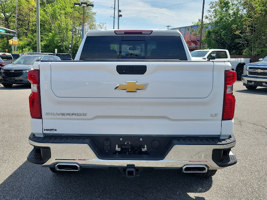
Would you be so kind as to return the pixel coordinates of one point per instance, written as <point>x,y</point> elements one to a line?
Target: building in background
<point>192,35</point>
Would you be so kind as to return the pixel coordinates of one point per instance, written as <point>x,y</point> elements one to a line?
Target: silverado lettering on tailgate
<point>65,114</point>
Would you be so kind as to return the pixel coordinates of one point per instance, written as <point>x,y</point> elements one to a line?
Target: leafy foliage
<point>239,26</point>
<point>7,11</point>
<point>255,27</point>
<point>61,24</point>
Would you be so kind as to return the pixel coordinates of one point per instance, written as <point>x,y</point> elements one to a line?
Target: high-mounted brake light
<point>133,32</point>
<point>35,98</point>
<point>229,98</point>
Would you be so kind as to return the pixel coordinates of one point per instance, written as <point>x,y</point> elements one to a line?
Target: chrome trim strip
<point>258,79</point>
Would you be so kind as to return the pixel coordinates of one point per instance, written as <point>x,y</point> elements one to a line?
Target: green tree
<point>239,26</point>
<point>60,24</point>
<point>255,27</point>
<point>7,10</point>
<point>26,25</point>
<point>196,32</point>
<point>226,19</point>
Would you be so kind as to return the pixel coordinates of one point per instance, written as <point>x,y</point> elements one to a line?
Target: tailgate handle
<point>131,69</point>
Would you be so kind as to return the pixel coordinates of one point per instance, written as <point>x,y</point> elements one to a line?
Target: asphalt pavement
<point>21,180</point>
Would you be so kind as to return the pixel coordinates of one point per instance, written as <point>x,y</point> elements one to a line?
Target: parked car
<point>1,63</point>
<point>221,55</point>
<point>7,58</point>
<point>17,72</point>
<point>255,74</point>
<point>15,56</point>
<point>64,56</point>
<point>36,53</point>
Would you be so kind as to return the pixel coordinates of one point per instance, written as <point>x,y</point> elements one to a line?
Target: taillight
<point>229,98</point>
<point>35,98</point>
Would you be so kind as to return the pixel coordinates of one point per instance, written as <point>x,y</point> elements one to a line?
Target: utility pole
<point>83,23</point>
<point>119,14</point>
<point>16,22</point>
<point>201,27</point>
<point>38,26</point>
<point>83,4</point>
<point>114,14</point>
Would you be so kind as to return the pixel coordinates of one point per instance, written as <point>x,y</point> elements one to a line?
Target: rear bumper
<point>213,152</point>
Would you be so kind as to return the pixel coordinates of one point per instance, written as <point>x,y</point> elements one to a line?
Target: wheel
<point>209,173</point>
<point>239,71</point>
<point>251,87</point>
<point>7,85</point>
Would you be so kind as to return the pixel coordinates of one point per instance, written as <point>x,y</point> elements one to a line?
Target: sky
<point>149,14</point>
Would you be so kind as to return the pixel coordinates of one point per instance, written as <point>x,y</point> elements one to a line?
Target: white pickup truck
<point>221,55</point>
<point>132,99</point>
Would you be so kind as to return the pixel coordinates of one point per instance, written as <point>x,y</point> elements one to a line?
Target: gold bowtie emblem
<point>130,86</point>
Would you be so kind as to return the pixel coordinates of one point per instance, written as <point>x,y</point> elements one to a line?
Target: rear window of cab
<point>133,47</point>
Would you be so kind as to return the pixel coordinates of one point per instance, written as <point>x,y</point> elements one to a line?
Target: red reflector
<point>133,32</point>
<point>230,77</point>
<point>228,107</point>
<point>33,76</point>
<point>229,98</point>
<point>35,106</point>
<point>35,98</point>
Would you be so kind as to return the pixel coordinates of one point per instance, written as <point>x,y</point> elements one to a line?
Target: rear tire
<point>7,85</point>
<point>251,87</point>
<point>239,71</point>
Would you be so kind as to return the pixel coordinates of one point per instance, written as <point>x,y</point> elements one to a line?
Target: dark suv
<point>64,56</point>
<point>17,72</point>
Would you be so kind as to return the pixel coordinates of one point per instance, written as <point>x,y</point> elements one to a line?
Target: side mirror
<point>212,57</point>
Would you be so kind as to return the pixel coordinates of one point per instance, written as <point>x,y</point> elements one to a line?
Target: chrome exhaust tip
<point>70,167</point>
<point>194,169</point>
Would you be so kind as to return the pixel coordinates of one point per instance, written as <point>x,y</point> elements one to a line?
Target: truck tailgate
<point>162,80</point>
<point>171,98</point>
